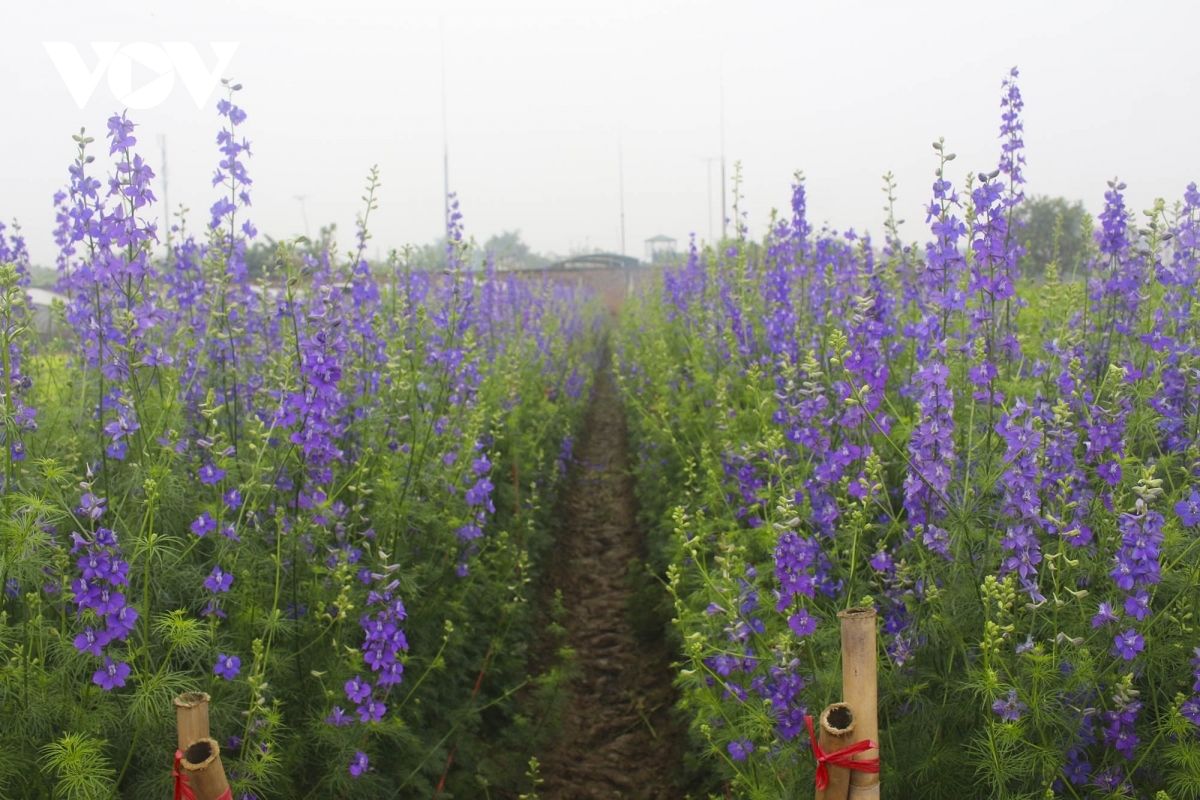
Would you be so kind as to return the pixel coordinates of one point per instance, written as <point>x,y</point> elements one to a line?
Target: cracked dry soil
<point>618,737</point>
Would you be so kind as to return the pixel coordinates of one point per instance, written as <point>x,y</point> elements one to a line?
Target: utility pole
<point>621,181</point>
<point>724,216</point>
<point>445,144</point>
<point>709,162</point>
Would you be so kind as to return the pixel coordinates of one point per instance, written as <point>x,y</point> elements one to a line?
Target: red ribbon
<point>182,790</point>
<point>841,758</point>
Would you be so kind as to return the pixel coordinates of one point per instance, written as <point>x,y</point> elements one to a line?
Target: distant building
<point>593,261</point>
<point>612,277</point>
<point>41,301</point>
<point>660,248</point>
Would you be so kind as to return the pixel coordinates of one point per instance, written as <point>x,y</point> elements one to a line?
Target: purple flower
<point>795,560</point>
<point>211,607</point>
<point>1128,644</point>
<point>102,571</point>
<point>91,506</point>
<point>218,581</point>
<point>1191,710</point>
<point>91,641</point>
<point>120,130</point>
<point>740,748</point>
<point>233,499</point>
<point>203,524</point>
<point>95,565</point>
<point>1189,510</point>
<point>1010,707</point>
<point>360,764</point>
<point>384,637</point>
<point>801,623</point>
<point>1191,707</point>
<point>357,690</point>
<point>339,718</point>
<point>1137,605</point>
<point>210,474</point>
<point>1105,615</point>
<point>106,601</point>
<point>1077,770</point>
<point>121,427</point>
<point>228,667</point>
<point>1110,471</point>
<point>937,539</point>
<point>120,622</point>
<point>480,494</point>
<point>371,711</point>
<point>111,675</point>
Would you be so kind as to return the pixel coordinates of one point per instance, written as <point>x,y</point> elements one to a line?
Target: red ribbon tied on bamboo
<point>182,790</point>
<point>840,758</point>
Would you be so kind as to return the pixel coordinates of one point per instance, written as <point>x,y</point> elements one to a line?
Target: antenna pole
<point>724,216</point>
<point>445,141</point>
<point>621,180</point>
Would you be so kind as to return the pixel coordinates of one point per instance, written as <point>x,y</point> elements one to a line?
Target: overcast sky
<point>542,98</point>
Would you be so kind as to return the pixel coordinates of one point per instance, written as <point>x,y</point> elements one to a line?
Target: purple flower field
<point>1006,470</point>
<point>323,493</point>
<point>284,491</point>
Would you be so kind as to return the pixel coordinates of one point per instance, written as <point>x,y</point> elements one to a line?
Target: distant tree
<point>258,255</point>
<point>432,257</point>
<point>510,252</point>
<point>42,277</point>
<point>429,257</point>
<point>1041,217</point>
<point>262,252</point>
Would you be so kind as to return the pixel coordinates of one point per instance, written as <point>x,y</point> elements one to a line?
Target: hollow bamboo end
<point>837,720</point>
<point>190,700</point>
<point>200,755</point>
<point>202,769</point>
<point>857,613</point>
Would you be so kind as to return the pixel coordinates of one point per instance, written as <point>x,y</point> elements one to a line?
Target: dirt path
<point>617,737</point>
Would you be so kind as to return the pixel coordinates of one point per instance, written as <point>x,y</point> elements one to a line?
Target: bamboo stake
<point>837,732</point>
<point>191,718</point>
<point>201,765</point>
<point>860,690</point>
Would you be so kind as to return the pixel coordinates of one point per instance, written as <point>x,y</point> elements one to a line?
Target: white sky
<point>539,94</point>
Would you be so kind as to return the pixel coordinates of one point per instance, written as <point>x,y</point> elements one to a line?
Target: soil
<point>618,736</point>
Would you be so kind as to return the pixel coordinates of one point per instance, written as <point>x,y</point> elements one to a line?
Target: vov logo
<point>118,61</point>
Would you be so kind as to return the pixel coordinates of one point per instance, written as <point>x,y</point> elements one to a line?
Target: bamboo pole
<point>837,732</point>
<point>201,765</point>
<point>860,690</point>
<point>191,718</point>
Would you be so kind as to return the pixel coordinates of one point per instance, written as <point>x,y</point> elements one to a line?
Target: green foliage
<point>292,615</point>
<point>508,251</point>
<point>1051,232</point>
<point>81,771</point>
<point>721,478</point>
